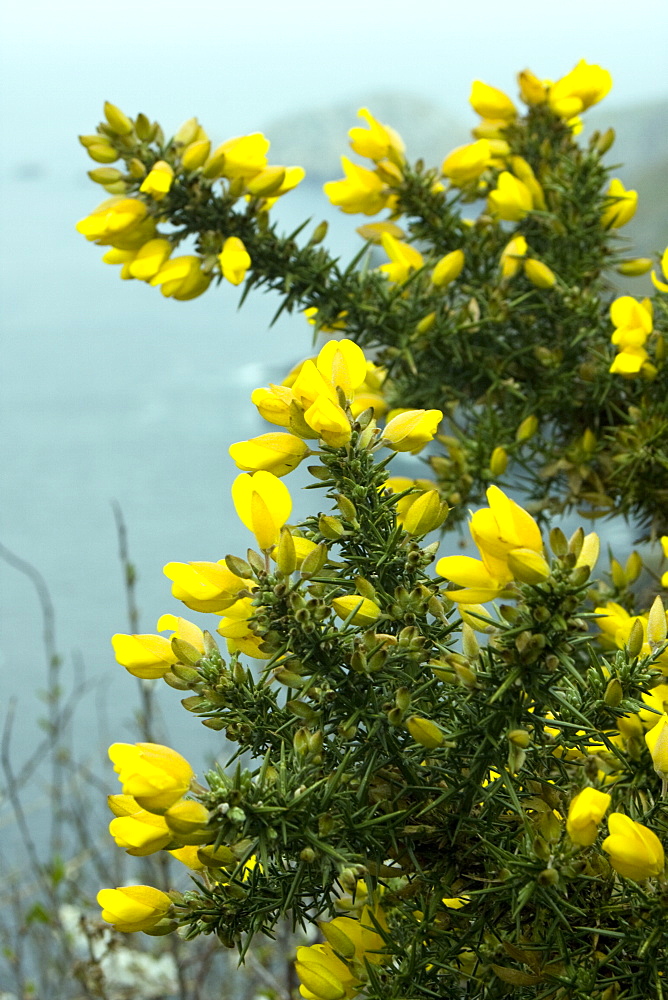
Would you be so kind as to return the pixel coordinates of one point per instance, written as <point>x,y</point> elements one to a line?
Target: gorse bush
<point>428,752</point>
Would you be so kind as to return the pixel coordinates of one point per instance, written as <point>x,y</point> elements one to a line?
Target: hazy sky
<point>238,65</point>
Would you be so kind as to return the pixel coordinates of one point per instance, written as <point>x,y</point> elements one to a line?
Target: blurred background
<point>112,393</point>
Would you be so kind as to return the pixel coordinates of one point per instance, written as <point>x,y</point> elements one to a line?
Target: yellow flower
<point>404,258</point>
<point>327,971</point>
<point>244,156</point>
<point>342,363</point>
<point>586,84</point>
<point>411,430</point>
<point>511,199</point>
<point>479,584</point>
<point>323,976</point>
<point>350,938</point>
<point>448,268</point>
<point>154,775</point>
<point>467,163</point>
<point>182,278</point>
<point>310,385</point>
<point>489,102</point>
<point>366,610</point>
<point>378,142</point>
<point>237,628</point>
<point>158,181</point>
<point>586,811</point>
<point>146,656</point>
<point>234,260</point>
<point>512,257</point>
<point>532,90</point>
<point>657,743</point>
<point>139,832</point>
<point>148,260</point>
<point>361,190</point>
<point>511,547</point>
<point>274,404</point>
<point>372,231</point>
<point>133,907</point>
<point>263,504</point>
<point>622,207</point>
<point>523,170</point>
<point>590,551</point>
<point>274,452</point>
<point>205,586</point>
<point>633,324</point>
<point>188,857</point>
<point>635,852</point>
<point>657,699</point>
<point>329,421</point>
<point>455,902</point>
<point>124,257</point>
<point>116,217</point>
<point>398,484</point>
<point>504,526</point>
<point>661,285</point>
<point>627,313</point>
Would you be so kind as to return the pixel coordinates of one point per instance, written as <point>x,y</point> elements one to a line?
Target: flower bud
<point>519,737</point>
<point>314,561</point>
<point>364,611</point>
<point>194,155</point>
<point>119,122</point>
<point>187,132</point>
<point>614,693</point>
<point>656,625</point>
<point>425,732</point>
<point>105,175</point>
<point>528,566</point>
<point>331,527</point>
<point>185,817</point>
<point>448,268</point>
<point>102,152</point>
<point>402,698</point>
<point>498,462</point>
<point>319,233</point>
<point>635,266</point>
<point>425,514</point>
<point>539,274</point>
<point>527,428</point>
<point>636,639</point>
<point>285,553</point>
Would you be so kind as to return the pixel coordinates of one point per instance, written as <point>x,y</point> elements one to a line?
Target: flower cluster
<point>364,190</point>
<point>140,199</point>
<point>510,546</point>
<point>337,968</point>
<point>633,325</point>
